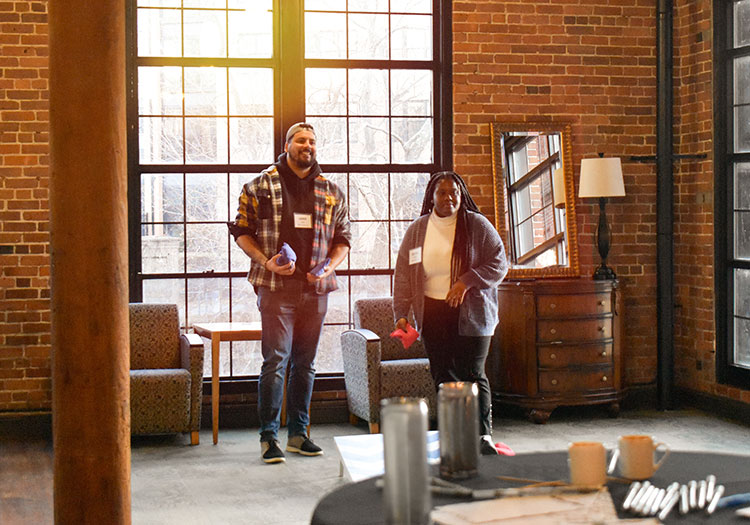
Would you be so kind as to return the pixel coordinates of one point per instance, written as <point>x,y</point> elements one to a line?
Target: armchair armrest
<point>360,352</point>
<point>191,358</point>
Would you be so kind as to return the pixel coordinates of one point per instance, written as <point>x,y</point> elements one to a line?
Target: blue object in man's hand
<point>318,270</point>
<point>286,255</point>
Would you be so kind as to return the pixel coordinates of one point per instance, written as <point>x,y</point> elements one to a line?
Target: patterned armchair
<point>166,373</point>
<point>376,366</point>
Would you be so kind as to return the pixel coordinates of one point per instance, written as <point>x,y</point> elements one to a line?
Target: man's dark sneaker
<point>303,445</point>
<point>270,452</point>
<point>487,447</point>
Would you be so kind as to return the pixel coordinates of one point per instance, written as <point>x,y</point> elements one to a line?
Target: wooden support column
<point>89,279</point>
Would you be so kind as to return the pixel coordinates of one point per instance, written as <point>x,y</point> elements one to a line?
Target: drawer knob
<point>604,379</point>
<point>552,356</point>
<point>604,354</point>
<point>601,303</point>
<point>552,331</point>
<point>554,381</point>
<point>552,306</point>
<point>601,328</point>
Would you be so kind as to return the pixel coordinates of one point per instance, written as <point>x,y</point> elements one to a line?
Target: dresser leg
<point>613,409</point>
<point>539,416</point>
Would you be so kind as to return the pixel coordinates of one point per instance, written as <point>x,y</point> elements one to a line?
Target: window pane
<point>205,33</point>
<point>742,235</point>
<point>161,197</point>
<point>368,242</point>
<point>742,23</point>
<point>338,303</point>
<point>368,139</point>
<point>162,248</point>
<point>158,3</point>
<point>206,197</point>
<point>368,196</point>
<point>325,35</point>
<point>742,80</point>
<point>380,6</point>
<point>742,186</point>
<point>325,90</point>
<point>411,6</point>
<point>160,140</point>
<point>205,3</point>
<point>159,91</point>
<point>206,140</point>
<point>741,355</point>
<point>169,291</point>
<point>741,129</point>
<point>330,134</point>
<point>411,93</point>
<point>364,286</point>
<point>412,140</point>
<point>251,91</point>
<point>208,302</point>
<point>244,301</point>
<point>368,92</point>
<point>328,358</point>
<point>159,33</point>
<point>326,5</point>
<point>205,91</point>
<point>251,30</point>
<point>411,37</point>
<point>251,140</point>
<point>368,36</point>
<point>407,194</point>
<point>247,358</point>
<point>398,229</point>
<point>207,248</point>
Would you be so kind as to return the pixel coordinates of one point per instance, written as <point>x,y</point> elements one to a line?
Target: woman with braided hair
<point>449,265</point>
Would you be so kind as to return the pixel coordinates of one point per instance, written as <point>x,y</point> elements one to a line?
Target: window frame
<point>725,160</point>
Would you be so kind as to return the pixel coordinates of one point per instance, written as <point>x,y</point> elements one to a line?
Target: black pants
<point>456,357</point>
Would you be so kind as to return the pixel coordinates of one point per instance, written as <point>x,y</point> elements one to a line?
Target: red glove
<point>407,337</point>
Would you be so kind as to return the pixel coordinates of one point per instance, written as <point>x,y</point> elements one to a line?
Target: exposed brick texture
<point>25,375</point>
<point>591,64</point>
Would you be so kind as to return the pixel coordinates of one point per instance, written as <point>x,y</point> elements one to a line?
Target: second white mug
<point>637,452</point>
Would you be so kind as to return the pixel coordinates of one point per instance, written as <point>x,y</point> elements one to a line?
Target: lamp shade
<point>601,177</point>
<point>558,187</point>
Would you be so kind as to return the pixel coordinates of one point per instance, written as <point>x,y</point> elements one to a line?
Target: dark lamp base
<point>603,273</point>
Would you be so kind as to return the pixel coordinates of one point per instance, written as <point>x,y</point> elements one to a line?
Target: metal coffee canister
<point>406,490</point>
<point>458,425</point>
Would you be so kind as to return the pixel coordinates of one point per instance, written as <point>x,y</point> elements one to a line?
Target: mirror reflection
<point>534,198</point>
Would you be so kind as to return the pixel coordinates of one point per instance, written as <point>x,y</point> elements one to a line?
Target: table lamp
<point>602,177</point>
<point>558,188</point>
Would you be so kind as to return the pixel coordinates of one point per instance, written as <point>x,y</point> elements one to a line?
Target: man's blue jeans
<point>292,319</point>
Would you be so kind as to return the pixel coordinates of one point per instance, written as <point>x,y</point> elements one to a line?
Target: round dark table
<point>362,504</point>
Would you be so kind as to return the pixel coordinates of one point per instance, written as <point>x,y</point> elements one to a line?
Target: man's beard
<point>300,162</point>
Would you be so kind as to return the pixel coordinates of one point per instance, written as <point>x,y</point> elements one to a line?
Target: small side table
<point>218,332</point>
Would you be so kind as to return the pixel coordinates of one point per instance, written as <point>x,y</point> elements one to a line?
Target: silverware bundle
<point>646,499</point>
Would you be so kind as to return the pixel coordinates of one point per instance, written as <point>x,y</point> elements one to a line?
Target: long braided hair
<point>460,253</point>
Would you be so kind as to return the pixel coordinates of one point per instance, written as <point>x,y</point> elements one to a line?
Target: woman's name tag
<point>415,256</point>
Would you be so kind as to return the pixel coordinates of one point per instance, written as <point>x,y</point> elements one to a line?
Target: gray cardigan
<point>487,268</point>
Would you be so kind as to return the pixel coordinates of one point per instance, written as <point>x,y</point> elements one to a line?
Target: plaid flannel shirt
<point>259,215</point>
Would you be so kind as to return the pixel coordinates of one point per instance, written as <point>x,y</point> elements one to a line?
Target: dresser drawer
<point>573,305</point>
<point>561,356</point>
<point>569,330</point>
<point>575,380</point>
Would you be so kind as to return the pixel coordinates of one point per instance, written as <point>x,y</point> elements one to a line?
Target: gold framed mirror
<point>532,174</point>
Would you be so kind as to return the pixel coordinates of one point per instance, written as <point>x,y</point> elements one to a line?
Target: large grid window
<point>733,181</point>
<point>214,85</point>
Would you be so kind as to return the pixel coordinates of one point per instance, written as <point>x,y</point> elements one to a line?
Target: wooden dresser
<point>557,343</point>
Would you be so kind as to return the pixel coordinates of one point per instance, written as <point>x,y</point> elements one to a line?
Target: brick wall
<point>25,382</point>
<point>589,63</point>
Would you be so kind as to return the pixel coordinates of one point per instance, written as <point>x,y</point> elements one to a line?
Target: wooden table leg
<point>215,342</point>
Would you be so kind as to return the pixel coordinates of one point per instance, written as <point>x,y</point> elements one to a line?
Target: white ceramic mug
<point>637,452</point>
<point>588,463</point>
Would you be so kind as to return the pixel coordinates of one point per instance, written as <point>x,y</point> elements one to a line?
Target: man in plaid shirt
<point>291,202</point>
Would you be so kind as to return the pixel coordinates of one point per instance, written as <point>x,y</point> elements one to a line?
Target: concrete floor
<point>174,483</point>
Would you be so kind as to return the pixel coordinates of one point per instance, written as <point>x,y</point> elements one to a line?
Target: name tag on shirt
<point>415,256</point>
<point>303,220</point>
